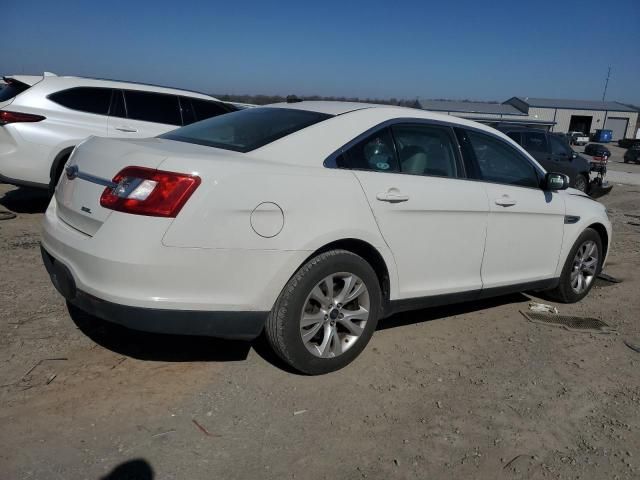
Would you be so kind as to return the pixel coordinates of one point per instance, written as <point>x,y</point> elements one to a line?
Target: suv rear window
<point>246,130</point>
<point>12,89</point>
<point>84,99</point>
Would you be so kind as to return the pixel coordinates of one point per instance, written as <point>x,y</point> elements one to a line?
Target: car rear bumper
<point>124,274</point>
<point>245,325</point>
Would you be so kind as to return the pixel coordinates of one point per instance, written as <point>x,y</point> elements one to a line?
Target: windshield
<point>246,130</point>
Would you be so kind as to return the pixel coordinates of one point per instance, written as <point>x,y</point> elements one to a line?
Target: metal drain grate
<point>569,322</point>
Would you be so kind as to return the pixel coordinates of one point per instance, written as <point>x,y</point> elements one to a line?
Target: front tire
<point>580,269</point>
<point>582,183</point>
<point>326,314</point>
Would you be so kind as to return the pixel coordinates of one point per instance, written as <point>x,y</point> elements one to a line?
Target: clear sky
<point>484,50</point>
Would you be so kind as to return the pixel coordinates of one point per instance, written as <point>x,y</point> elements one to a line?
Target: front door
<point>433,221</point>
<point>525,224</point>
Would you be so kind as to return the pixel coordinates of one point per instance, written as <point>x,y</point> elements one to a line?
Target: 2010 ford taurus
<point>310,222</point>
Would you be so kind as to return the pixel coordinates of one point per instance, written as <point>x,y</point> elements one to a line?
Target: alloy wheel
<point>585,264</point>
<point>334,315</point>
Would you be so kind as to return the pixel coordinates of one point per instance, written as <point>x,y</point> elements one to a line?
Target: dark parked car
<point>553,152</point>
<point>633,154</point>
<point>596,150</point>
<point>628,142</point>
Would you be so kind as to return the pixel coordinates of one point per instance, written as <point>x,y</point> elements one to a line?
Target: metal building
<point>553,114</point>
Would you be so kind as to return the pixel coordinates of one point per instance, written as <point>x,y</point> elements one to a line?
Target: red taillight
<point>17,117</point>
<point>144,191</point>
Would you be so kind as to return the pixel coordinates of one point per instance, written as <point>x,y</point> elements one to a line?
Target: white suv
<point>42,119</point>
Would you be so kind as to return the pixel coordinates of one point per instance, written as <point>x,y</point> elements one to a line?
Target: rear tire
<point>334,333</point>
<point>585,261</point>
<point>57,173</point>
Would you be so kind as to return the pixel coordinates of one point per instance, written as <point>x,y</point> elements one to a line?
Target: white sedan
<point>310,222</point>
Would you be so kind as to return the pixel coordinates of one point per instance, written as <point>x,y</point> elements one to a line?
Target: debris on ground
<point>299,412</point>
<point>608,278</point>
<point>570,322</point>
<point>201,428</point>
<point>542,308</point>
<point>39,362</point>
<point>6,215</point>
<point>632,346</point>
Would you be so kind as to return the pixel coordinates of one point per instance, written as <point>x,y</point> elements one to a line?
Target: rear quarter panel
<point>319,206</point>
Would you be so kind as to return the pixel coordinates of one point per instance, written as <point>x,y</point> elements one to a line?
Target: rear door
<point>433,220</point>
<point>525,224</point>
<point>140,114</point>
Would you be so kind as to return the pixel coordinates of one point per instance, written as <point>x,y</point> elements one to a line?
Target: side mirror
<point>556,181</point>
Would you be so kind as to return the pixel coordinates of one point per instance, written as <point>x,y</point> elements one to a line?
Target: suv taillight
<point>144,191</point>
<point>17,117</point>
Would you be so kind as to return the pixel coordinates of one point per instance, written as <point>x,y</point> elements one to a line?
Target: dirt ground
<point>469,391</point>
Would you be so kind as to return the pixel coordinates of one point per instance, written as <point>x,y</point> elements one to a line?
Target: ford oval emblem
<point>72,172</point>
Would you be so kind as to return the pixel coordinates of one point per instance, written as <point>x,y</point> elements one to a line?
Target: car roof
<point>328,107</point>
<point>55,82</point>
<point>518,128</point>
<point>348,121</point>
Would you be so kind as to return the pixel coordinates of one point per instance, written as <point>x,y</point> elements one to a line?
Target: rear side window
<point>84,99</point>
<point>11,90</point>
<point>153,107</point>
<point>500,163</point>
<point>375,153</point>
<point>535,142</point>
<point>246,130</point>
<point>425,150</point>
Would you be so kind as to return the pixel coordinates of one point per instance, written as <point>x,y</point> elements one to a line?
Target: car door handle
<point>392,195</point>
<point>126,129</point>
<point>506,201</point>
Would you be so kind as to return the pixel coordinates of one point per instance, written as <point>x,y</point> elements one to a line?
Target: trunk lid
<point>91,168</point>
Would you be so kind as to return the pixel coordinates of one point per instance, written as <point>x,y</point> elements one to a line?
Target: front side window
<point>425,150</point>
<point>195,109</point>
<point>498,162</point>
<point>153,107</point>
<point>534,142</point>
<point>84,99</point>
<point>376,153</point>
<point>558,147</point>
<point>246,130</point>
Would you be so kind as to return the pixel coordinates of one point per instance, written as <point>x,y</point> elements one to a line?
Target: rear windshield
<point>246,130</point>
<point>11,90</point>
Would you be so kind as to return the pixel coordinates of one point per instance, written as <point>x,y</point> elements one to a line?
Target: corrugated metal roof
<point>469,107</point>
<point>574,104</point>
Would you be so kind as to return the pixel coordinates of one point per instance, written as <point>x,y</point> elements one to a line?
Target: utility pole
<point>606,84</point>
